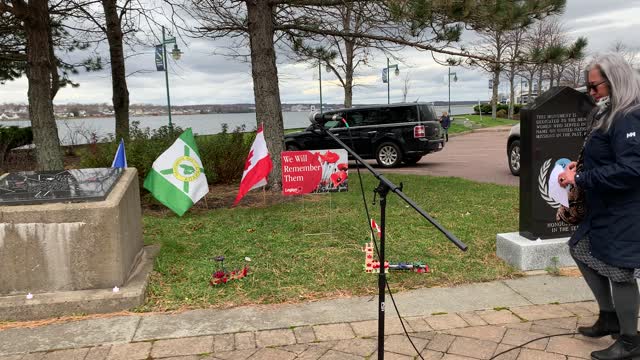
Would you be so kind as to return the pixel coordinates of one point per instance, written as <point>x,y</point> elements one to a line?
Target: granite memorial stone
<point>552,129</point>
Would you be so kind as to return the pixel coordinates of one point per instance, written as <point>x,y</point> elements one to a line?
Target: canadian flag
<point>257,168</point>
<point>375,227</point>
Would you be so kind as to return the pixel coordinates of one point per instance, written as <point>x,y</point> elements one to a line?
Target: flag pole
<point>264,187</point>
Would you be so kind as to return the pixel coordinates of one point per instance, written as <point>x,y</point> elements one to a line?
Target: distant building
<point>4,116</point>
<point>526,98</point>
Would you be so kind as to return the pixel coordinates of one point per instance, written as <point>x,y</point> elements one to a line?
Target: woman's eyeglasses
<point>591,86</point>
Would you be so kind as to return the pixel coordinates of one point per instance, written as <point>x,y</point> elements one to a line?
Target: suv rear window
<point>403,114</point>
<point>426,113</point>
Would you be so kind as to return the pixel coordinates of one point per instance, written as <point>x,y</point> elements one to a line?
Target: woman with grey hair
<point>606,245</point>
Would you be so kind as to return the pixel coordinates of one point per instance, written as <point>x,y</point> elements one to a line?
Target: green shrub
<point>486,108</point>
<point>502,113</point>
<point>142,149</point>
<point>13,137</point>
<point>223,155</point>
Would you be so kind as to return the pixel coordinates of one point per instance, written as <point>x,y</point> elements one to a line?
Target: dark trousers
<point>446,134</point>
<point>621,297</point>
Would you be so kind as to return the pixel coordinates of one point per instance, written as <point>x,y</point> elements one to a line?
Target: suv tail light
<point>418,131</point>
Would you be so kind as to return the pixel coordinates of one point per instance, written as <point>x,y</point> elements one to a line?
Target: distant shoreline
<point>437,104</point>
<point>130,116</point>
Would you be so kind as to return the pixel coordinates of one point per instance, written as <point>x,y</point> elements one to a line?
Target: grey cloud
<point>203,75</point>
<point>576,9</point>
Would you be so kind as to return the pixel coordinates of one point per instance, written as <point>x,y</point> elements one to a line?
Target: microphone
<point>321,119</point>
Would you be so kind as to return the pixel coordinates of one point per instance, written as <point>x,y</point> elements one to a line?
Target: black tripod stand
<point>383,188</point>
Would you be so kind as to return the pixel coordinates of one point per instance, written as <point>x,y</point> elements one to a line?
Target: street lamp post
<point>328,69</point>
<point>320,82</point>
<point>397,72</point>
<point>455,78</point>
<point>176,54</point>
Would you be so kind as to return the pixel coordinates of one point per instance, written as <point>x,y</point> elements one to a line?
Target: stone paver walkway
<point>450,336</point>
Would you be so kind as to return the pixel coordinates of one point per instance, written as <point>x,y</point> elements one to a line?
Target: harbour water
<point>79,131</point>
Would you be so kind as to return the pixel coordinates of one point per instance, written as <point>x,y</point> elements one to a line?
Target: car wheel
<point>292,147</point>
<point>388,155</point>
<point>514,157</point>
<point>412,160</point>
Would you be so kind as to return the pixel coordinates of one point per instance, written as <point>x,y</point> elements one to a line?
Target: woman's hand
<point>568,176</point>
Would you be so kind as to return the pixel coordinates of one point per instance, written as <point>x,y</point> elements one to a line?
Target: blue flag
<point>120,160</point>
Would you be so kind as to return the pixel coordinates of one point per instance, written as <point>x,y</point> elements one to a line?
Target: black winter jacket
<point>611,180</point>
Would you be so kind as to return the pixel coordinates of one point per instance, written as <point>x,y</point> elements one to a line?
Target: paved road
<point>479,156</point>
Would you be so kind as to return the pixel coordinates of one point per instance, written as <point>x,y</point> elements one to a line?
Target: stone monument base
<point>527,255</point>
<point>82,302</point>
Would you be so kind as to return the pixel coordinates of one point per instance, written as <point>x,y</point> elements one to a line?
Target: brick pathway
<point>458,336</point>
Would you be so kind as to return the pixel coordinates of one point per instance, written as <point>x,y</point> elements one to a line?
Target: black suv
<point>391,134</point>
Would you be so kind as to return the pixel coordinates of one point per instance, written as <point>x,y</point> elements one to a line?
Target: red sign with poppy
<point>315,171</point>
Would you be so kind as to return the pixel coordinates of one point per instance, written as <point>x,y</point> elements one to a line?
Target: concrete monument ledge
<point>526,254</point>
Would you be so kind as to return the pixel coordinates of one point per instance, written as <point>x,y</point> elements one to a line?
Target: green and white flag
<point>177,179</point>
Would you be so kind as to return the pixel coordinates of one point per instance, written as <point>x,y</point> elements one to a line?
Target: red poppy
<point>337,178</point>
<point>330,157</point>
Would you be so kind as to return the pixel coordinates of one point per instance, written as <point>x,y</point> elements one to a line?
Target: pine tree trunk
<point>540,81</point>
<point>118,75</point>
<point>348,92</point>
<point>494,98</point>
<point>349,46</point>
<point>348,75</point>
<point>512,93</point>
<point>265,82</point>
<point>45,131</point>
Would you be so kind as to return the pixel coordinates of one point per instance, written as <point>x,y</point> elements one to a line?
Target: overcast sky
<point>202,77</point>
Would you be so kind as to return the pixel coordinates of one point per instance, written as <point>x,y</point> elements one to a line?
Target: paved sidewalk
<point>473,321</point>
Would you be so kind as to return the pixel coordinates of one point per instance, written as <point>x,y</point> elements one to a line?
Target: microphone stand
<point>384,186</point>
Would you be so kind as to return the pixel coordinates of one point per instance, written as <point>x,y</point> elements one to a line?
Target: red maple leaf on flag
<point>248,163</point>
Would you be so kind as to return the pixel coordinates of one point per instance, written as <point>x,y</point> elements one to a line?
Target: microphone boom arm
<point>392,187</point>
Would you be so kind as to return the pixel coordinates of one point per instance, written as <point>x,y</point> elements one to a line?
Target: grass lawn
<point>487,121</point>
<point>288,265</point>
<point>457,128</point>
